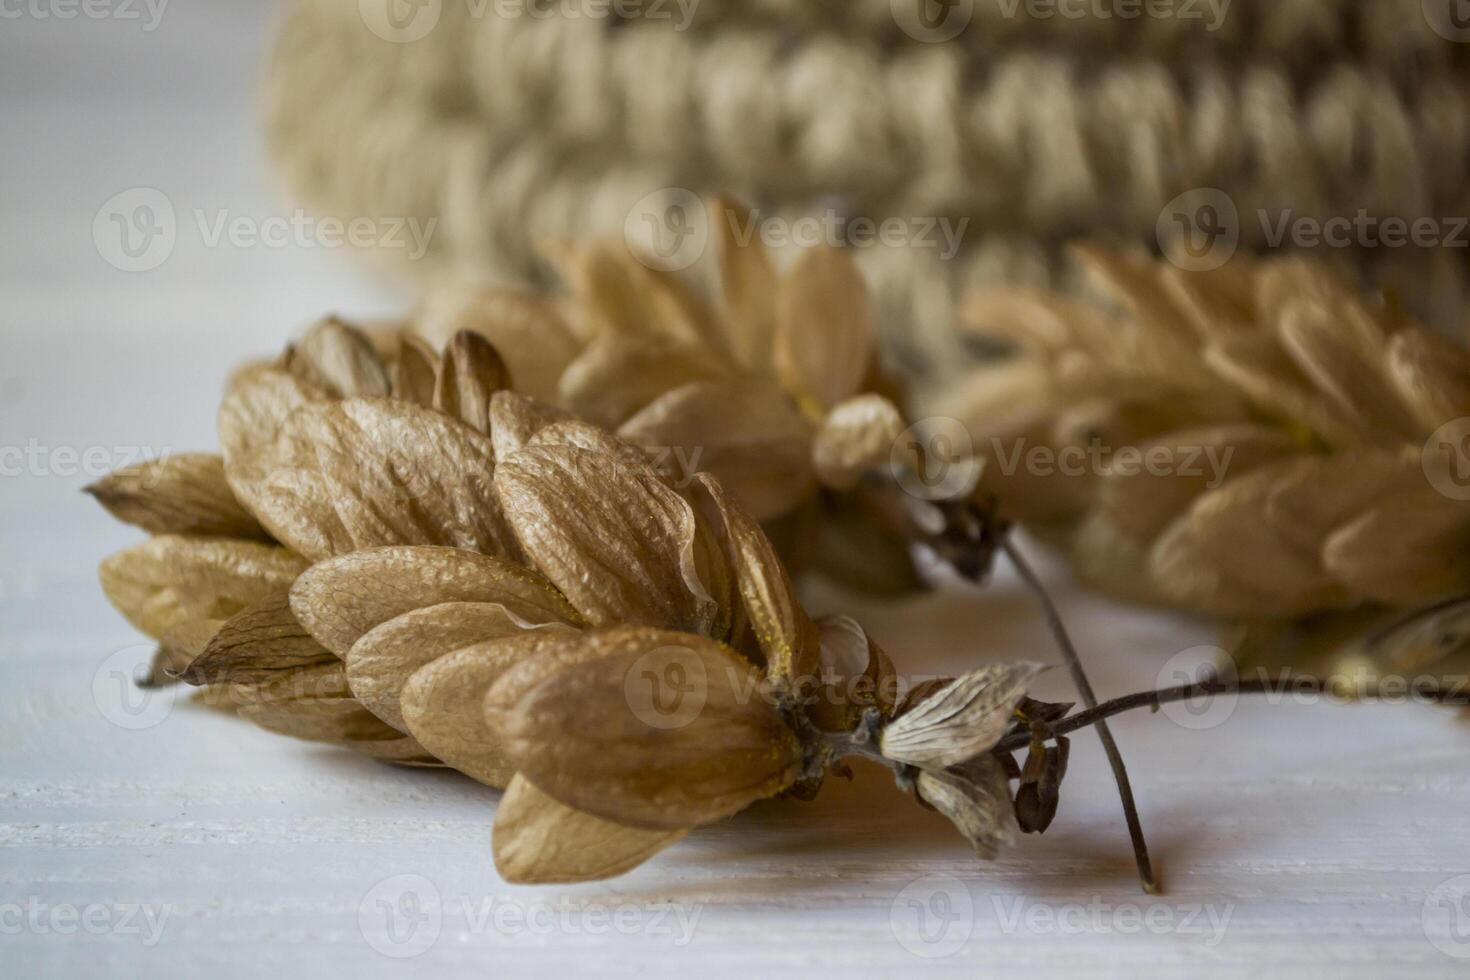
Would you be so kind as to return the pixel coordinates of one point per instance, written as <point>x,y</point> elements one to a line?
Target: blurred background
<point>105,355</point>
<point>181,185</point>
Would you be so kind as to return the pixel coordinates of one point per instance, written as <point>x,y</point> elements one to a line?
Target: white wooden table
<point>151,838</point>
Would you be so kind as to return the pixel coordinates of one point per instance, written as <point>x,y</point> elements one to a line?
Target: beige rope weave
<point>1034,131</point>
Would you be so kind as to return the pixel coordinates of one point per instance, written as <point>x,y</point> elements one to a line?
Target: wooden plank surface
<point>157,839</point>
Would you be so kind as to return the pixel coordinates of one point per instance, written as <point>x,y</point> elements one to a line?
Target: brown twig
<point>1153,700</point>
<point>1089,698</point>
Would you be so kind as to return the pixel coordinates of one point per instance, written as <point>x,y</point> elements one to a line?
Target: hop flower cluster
<point>396,552</point>
<point>1340,494</point>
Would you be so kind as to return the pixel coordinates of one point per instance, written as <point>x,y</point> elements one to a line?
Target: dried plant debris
<point>398,552</point>
<point>373,562</point>
<point>773,387</point>
<point>1257,442</point>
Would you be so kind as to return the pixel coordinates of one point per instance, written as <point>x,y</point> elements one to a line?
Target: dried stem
<point>1153,700</point>
<point>1089,698</point>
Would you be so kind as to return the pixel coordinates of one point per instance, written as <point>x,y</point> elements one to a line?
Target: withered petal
<point>857,436</point>
<point>258,402</point>
<point>525,327</point>
<point>416,370</point>
<point>469,376</point>
<point>340,360</point>
<point>341,599</point>
<point>386,656</point>
<point>515,419</point>
<point>616,375</point>
<point>173,579</point>
<point>749,283</point>
<point>747,433</point>
<point>184,493</point>
<point>669,731</point>
<point>607,532</point>
<point>786,635</point>
<point>539,841</point>
<point>825,336</point>
<point>343,476</point>
<point>977,800</point>
<point>443,705</point>
<point>255,645</point>
<point>961,720</point>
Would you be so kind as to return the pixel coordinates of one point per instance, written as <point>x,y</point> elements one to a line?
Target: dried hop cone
<point>774,386</point>
<point>1255,442</point>
<point>397,553</point>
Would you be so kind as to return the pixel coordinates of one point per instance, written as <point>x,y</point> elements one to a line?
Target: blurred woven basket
<point>511,123</point>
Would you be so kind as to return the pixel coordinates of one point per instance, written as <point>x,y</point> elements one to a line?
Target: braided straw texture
<point>1290,449</point>
<point>1022,133</point>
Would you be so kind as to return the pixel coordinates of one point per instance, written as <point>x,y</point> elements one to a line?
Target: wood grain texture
<point>1298,841</point>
